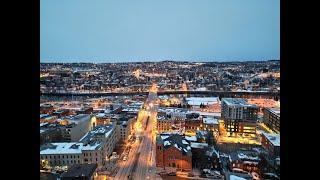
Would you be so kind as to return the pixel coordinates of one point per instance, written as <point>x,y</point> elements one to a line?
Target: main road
<point>141,159</point>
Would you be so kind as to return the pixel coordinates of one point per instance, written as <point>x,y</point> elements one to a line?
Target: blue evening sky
<point>141,30</point>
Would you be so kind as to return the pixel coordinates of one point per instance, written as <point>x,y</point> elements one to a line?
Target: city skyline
<point>109,32</point>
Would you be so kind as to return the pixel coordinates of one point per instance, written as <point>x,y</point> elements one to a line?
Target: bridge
<point>232,94</point>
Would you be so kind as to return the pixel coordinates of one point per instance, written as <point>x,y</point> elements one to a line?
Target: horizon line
<point>157,61</point>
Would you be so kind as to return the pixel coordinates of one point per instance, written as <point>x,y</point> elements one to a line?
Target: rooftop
<point>237,102</point>
<point>80,170</point>
<point>198,145</point>
<point>196,101</point>
<point>103,130</point>
<point>177,141</point>
<point>61,148</point>
<point>79,118</point>
<point>275,111</point>
<point>210,120</point>
<point>273,138</point>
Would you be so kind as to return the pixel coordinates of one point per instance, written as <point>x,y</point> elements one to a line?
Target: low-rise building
<point>81,172</point>
<point>211,124</point>
<point>94,147</point>
<point>173,150</point>
<point>46,109</point>
<point>105,134</point>
<point>77,126</point>
<point>271,142</point>
<point>246,160</point>
<point>85,110</point>
<point>124,127</point>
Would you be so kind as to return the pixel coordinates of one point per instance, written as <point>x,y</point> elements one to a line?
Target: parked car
<point>172,174</point>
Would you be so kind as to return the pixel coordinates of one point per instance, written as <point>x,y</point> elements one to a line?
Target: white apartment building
<point>79,125</point>
<point>93,147</point>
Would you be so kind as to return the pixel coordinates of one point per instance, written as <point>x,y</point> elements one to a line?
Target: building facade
<point>271,118</point>
<point>94,147</point>
<point>271,142</point>
<point>239,116</point>
<point>173,151</point>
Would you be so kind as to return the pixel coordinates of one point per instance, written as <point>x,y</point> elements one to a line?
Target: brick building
<point>271,142</point>
<point>173,150</point>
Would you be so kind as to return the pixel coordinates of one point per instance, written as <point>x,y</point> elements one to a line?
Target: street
<point>141,159</point>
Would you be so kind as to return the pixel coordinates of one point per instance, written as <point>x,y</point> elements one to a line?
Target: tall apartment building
<point>239,116</point>
<point>271,118</point>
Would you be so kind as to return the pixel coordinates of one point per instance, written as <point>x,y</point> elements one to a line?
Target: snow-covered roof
<point>237,102</point>
<point>201,89</point>
<point>184,142</point>
<point>191,138</point>
<point>98,130</point>
<point>79,118</point>
<point>196,101</point>
<point>210,151</point>
<point>233,177</point>
<point>247,157</point>
<point>91,147</point>
<point>275,111</point>
<point>210,120</point>
<point>166,143</point>
<point>43,124</point>
<point>101,115</point>
<point>273,138</point>
<point>206,113</point>
<point>198,145</point>
<point>62,148</point>
<point>43,115</point>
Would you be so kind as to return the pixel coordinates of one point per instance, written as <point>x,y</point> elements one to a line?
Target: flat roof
<point>79,118</point>
<point>61,148</point>
<point>198,145</point>
<point>80,170</point>
<point>237,102</point>
<point>275,111</point>
<point>210,120</point>
<point>196,101</point>
<point>191,138</point>
<point>104,130</point>
<point>273,138</point>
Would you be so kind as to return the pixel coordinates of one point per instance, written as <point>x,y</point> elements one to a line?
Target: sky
<point>154,30</point>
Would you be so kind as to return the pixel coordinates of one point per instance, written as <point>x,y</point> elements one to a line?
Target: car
<point>172,174</point>
<point>190,175</point>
